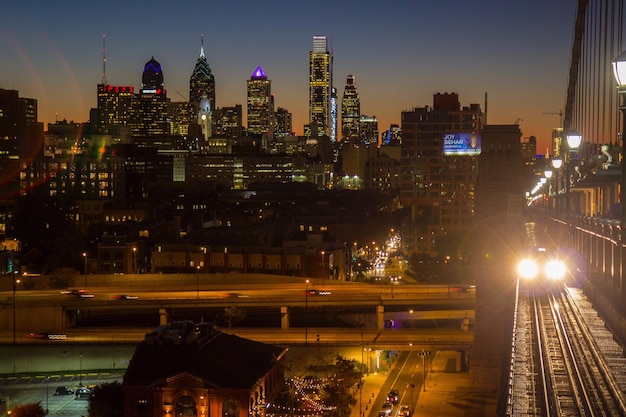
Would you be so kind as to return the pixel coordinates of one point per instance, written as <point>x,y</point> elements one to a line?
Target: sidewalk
<point>448,393</point>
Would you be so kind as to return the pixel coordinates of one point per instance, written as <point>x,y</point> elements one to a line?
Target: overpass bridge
<point>283,308</point>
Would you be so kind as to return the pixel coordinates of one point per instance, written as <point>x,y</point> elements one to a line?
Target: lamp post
<point>556,164</point>
<point>323,272</point>
<point>306,313</point>
<point>573,143</point>
<point>619,70</point>
<point>80,373</point>
<point>548,174</point>
<point>85,263</point>
<point>134,260</point>
<point>15,282</point>
<point>47,395</point>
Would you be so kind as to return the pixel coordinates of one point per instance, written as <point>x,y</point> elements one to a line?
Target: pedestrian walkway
<point>448,393</point>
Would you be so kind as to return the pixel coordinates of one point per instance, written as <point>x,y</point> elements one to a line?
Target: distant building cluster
<point>142,155</point>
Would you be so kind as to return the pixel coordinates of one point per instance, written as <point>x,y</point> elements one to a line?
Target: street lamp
<point>619,70</point>
<point>134,260</point>
<point>80,373</point>
<point>47,395</point>
<point>573,143</point>
<point>556,164</point>
<point>548,174</point>
<point>323,272</point>
<point>306,313</point>
<point>85,263</point>
<point>15,282</point>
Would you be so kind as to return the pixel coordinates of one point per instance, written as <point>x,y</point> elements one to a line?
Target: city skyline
<point>400,53</point>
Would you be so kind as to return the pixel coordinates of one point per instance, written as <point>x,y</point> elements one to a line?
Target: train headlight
<point>555,270</point>
<point>528,268</point>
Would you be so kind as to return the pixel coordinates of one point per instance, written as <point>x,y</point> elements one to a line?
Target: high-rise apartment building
<point>115,107</point>
<point>202,81</point>
<point>333,114</point>
<point>439,187</point>
<point>151,104</point>
<point>283,122</point>
<point>320,87</point>
<point>260,104</point>
<point>22,139</point>
<point>368,130</point>
<point>228,122</point>
<point>350,112</point>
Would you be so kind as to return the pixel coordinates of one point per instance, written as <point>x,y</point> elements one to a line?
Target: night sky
<point>400,51</point>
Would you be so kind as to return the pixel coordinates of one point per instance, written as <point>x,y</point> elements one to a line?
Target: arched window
<point>186,407</point>
<point>230,408</point>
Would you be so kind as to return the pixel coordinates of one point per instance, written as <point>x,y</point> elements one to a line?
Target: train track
<point>573,377</point>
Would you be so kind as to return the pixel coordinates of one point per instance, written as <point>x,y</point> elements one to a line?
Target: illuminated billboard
<point>464,143</point>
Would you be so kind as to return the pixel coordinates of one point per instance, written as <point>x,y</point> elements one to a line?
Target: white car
<point>404,411</point>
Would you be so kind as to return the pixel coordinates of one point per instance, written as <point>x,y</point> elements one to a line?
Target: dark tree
<point>106,400</point>
<point>28,410</point>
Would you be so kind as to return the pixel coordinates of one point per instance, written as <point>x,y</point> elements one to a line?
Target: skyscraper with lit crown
<point>151,111</point>
<point>260,104</point>
<point>320,86</point>
<point>202,81</point>
<point>350,112</point>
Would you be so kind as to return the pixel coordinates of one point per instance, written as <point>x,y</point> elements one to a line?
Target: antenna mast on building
<point>104,60</point>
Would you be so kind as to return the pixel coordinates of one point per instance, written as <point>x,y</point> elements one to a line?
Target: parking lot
<point>43,389</point>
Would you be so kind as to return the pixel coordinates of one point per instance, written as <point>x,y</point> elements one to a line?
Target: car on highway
<point>319,292</point>
<point>387,407</point>
<point>77,293</point>
<point>123,297</point>
<point>404,411</point>
<point>65,390</point>
<point>48,336</point>
<point>393,396</point>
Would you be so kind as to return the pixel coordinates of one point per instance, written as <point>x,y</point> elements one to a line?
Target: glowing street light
<point>574,139</point>
<point>306,313</point>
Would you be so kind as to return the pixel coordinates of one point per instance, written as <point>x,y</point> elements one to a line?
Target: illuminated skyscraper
<point>115,107</point>
<point>151,111</point>
<point>320,85</point>
<point>202,81</point>
<point>350,112</point>
<point>260,104</point>
<point>283,122</point>
<point>333,114</point>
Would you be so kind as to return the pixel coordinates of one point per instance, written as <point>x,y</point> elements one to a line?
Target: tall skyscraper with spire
<point>260,104</point>
<point>350,112</point>
<point>202,81</point>
<point>320,86</point>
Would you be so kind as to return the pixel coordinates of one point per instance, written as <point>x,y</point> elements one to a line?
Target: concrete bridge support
<point>284,317</point>
<point>164,318</point>
<point>380,317</point>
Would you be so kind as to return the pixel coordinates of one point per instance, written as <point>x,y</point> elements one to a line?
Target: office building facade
<point>350,112</point>
<point>260,104</point>
<point>320,87</point>
<point>151,117</point>
<point>439,188</point>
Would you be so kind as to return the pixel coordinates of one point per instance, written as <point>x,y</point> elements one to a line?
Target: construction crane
<point>555,113</point>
